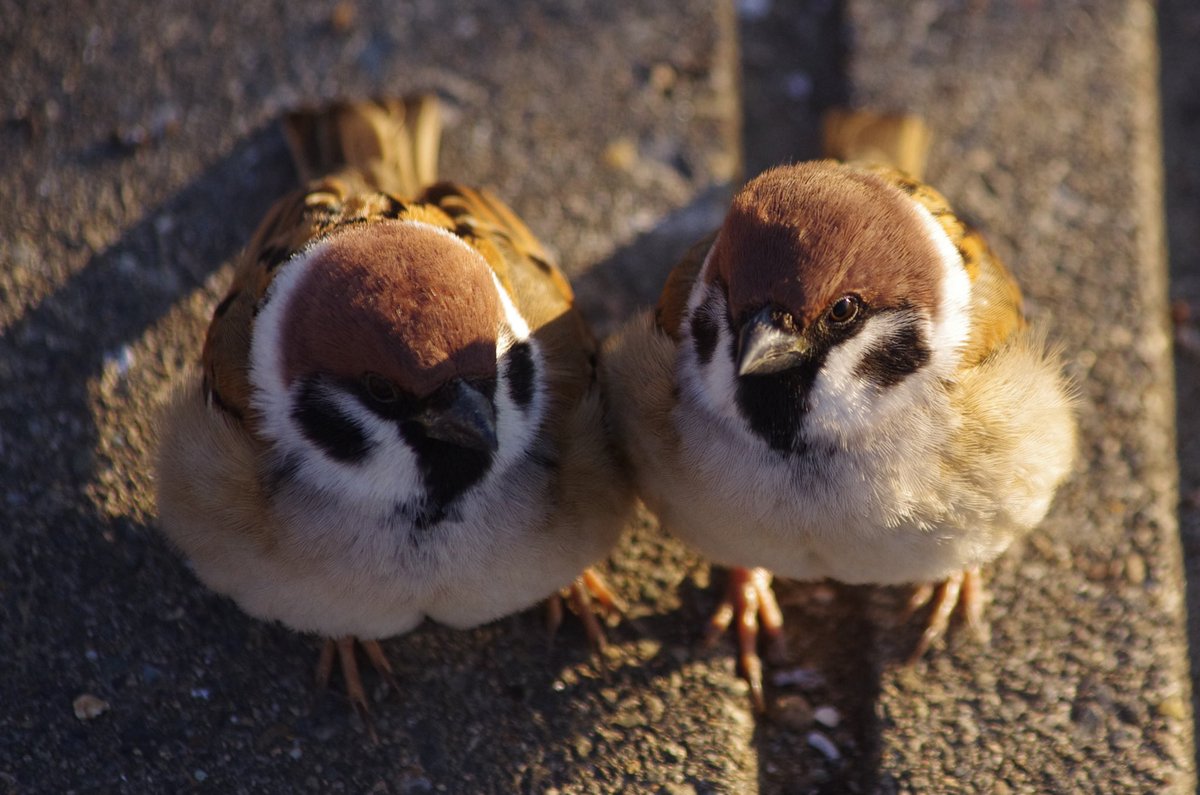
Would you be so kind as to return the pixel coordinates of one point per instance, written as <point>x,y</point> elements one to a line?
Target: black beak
<point>764,348</point>
<point>468,421</point>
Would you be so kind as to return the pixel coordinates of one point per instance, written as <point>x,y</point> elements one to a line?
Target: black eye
<point>844,309</point>
<point>379,388</point>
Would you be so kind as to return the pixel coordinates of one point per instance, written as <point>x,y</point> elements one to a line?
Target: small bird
<point>839,383</point>
<point>397,414</point>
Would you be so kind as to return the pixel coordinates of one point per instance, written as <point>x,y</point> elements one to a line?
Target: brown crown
<point>801,236</point>
<point>397,299</point>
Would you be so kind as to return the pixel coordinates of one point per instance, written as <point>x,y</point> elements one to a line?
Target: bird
<point>396,413</point>
<point>839,383</point>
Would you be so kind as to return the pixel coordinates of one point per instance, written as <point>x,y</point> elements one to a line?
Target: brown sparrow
<point>838,383</point>
<point>397,414</point>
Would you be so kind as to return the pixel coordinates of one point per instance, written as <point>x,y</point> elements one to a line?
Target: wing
<point>672,304</point>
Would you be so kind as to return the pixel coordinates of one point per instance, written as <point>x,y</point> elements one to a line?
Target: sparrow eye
<point>844,309</point>
<point>379,388</point>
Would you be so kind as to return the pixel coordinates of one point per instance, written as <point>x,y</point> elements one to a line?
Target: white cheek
<point>388,474</point>
<point>515,427</point>
<point>949,333</point>
<point>842,402</point>
<point>712,384</point>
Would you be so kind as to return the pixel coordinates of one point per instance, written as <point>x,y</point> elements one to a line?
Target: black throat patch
<point>776,405</point>
<point>447,470</point>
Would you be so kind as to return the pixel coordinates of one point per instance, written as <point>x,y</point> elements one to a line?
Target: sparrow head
<point>389,364</point>
<point>838,298</point>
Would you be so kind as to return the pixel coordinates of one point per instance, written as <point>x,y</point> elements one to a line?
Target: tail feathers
<point>392,144</point>
<point>900,141</point>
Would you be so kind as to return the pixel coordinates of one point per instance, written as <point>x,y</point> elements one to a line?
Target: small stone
<point>583,747</point>
<point>648,649</point>
<point>674,751</point>
<point>621,154</point>
<point>88,706</point>
<point>1173,707</point>
<point>199,775</point>
<point>1135,569</point>
<point>663,77</point>
<point>654,707</point>
<point>824,745</point>
<point>827,716</point>
<point>792,712</point>
<point>798,86</point>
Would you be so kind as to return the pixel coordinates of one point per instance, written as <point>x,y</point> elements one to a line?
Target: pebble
<point>1173,707</point>
<point>1135,569</point>
<point>88,706</point>
<point>827,716</point>
<point>824,745</point>
<point>621,154</point>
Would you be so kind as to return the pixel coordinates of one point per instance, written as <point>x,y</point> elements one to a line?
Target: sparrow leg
<point>344,648</point>
<point>749,599</point>
<point>587,596</point>
<point>964,589</point>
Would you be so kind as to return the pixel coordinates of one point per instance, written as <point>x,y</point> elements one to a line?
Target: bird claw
<point>355,692</point>
<point>750,600</point>
<point>962,590</point>
<point>587,596</point>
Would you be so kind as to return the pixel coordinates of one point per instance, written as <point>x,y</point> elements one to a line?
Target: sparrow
<point>839,383</point>
<point>396,414</point>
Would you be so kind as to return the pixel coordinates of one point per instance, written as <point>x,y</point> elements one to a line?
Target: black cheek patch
<point>705,333</point>
<point>899,355</point>
<point>327,426</point>
<point>520,374</point>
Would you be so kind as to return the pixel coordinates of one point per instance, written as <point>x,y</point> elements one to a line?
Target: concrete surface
<point>1179,30</point>
<point>137,153</point>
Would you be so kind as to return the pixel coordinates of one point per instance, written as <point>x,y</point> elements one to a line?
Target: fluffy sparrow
<point>838,383</point>
<point>397,414</point>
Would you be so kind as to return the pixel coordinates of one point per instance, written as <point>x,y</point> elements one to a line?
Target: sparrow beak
<point>469,421</point>
<point>764,348</point>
